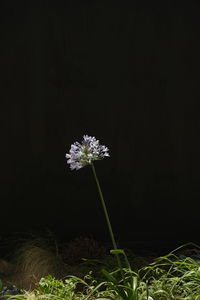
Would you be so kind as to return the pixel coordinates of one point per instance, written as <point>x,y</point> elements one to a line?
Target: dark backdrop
<point>124,72</point>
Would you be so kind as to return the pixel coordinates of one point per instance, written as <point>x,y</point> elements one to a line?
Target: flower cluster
<point>82,154</point>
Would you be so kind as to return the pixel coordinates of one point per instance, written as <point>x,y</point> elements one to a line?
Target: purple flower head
<point>82,154</point>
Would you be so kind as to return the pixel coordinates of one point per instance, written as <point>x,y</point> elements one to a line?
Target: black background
<point>125,72</point>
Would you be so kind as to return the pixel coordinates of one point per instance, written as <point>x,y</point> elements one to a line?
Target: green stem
<point>107,217</point>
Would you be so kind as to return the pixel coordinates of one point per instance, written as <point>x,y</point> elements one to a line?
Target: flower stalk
<point>106,216</point>
<point>104,208</point>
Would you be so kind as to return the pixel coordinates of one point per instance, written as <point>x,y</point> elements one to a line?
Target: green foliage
<point>58,288</point>
<point>168,278</point>
<point>172,278</point>
<point>71,288</point>
<point>124,281</point>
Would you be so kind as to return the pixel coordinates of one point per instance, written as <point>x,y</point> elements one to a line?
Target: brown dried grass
<point>31,261</point>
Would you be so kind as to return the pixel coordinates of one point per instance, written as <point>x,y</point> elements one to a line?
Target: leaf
<point>135,283</point>
<point>109,276</point>
<point>122,252</point>
<point>93,291</point>
<point>117,251</point>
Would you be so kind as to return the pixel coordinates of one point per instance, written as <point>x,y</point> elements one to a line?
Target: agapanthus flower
<point>84,153</point>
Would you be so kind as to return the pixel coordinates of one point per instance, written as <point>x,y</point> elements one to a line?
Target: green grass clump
<point>167,278</point>
<point>171,278</point>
